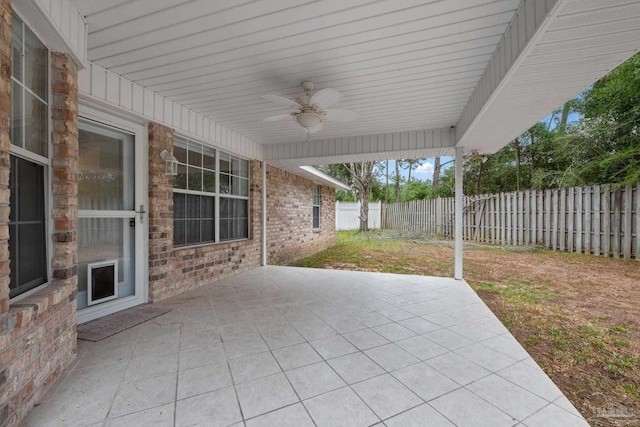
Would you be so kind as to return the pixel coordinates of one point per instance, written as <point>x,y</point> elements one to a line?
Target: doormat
<point>110,325</point>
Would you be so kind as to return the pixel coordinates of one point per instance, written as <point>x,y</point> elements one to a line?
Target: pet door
<point>102,281</point>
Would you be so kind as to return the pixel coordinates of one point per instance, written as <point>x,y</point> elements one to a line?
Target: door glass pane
<point>103,240</point>
<point>106,169</point>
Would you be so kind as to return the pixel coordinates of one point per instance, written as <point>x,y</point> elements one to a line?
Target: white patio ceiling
<point>412,69</point>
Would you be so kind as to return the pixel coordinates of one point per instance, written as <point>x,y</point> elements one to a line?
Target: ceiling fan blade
<point>325,98</point>
<point>282,101</point>
<point>279,117</point>
<point>340,116</point>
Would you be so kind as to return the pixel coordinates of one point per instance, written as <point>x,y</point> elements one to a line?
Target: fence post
<point>637,252</point>
<point>626,229</point>
<point>606,222</point>
<point>587,220</point>
<point>597,204</point>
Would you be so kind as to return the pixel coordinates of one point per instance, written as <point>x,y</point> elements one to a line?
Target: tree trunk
<point>362,175</point>
<point>479,181</point>
<point>386,185</point>
<point>364,212</point>
<point>517,141</point>
<point>566,109</point>
<point>397,181</point>
<point>436,172</point>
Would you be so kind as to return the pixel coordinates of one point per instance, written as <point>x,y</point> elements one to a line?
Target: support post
<point>264,213</point>
<point>459,200</point>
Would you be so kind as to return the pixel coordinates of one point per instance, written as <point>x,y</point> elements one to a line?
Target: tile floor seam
<point>106,417</point>
<point>500,409</point>
<point>289,381</point>
<point>175,398</point>
<point>354,392</point>
<point>235,389</point>
<point>530,391</point>
<point>407,410</point>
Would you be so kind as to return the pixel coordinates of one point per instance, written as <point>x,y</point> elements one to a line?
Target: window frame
<point>30,156</point>
<point>316,203</point>
<point>216,194</point>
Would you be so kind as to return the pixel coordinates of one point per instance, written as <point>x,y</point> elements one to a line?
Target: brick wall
<point>290,235</point>
<point>290,214</point>
<point>173,271</point>
<point>5,143</point>
<point>38,337</point>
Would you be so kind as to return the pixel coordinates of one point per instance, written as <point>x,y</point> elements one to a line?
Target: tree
<point>362,176</point>
<point>397,180</point>
<point>386,184</point>
<point>412,163</point>
<point>437,171</point>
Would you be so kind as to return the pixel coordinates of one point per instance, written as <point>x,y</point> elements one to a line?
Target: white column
<point>458,214</point>
<point>264,213</point>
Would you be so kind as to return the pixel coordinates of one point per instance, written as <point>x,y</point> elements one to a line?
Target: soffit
<point>402,65</point>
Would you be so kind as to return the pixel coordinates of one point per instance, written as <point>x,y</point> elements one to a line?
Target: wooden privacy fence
<point>599,220</point>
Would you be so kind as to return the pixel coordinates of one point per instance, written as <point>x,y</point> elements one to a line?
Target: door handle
<point>141,212</point>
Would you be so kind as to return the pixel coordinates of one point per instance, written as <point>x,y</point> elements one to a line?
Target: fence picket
<point>593,220</point>
<point>597,221</point>
<point>627,224</point>
<point>606,222</point>
<point>637,218</point>
<point>587,220</point>
<point>617,202</point>
<point>539,199</point>
<point>570,212</point>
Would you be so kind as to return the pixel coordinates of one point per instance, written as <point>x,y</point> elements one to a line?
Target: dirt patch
<point>577,315</point>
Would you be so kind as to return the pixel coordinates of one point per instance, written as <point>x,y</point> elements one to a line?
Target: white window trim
<point>38,159</point>
<point>314,205</point>
<point>217,195</point>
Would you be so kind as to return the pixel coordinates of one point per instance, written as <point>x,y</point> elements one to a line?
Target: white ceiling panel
<point>402,65</point>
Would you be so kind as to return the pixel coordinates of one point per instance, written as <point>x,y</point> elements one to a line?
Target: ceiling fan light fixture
<point>308,120</point>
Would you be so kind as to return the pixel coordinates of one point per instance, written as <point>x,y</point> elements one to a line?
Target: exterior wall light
<point>171,162</point>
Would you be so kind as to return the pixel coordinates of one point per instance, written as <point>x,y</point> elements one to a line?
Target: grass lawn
<point>577,315</point>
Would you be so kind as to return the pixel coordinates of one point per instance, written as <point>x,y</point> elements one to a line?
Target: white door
<point>111,220</point>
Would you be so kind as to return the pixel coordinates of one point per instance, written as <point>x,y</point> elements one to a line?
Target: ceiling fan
<point>311,109</point>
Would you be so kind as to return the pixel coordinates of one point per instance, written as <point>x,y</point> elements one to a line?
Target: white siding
<point>400,145</point>
<point>65,19</point>
<point>101,85</point>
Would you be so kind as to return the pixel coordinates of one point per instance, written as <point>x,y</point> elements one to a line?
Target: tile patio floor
<point>283,346</point>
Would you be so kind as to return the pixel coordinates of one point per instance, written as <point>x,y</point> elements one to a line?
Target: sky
<point>422,172</point>
<point>425,170</point>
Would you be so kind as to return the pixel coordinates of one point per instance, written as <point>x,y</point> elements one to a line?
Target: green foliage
<point>603,147</point>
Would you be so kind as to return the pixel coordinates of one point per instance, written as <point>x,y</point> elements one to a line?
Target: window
<point>26,226</point>
<point>29,162</point>
<point>316,206</point>
<point>210,195</point>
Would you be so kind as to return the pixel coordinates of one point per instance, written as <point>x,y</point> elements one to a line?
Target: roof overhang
<point>425,76</point>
